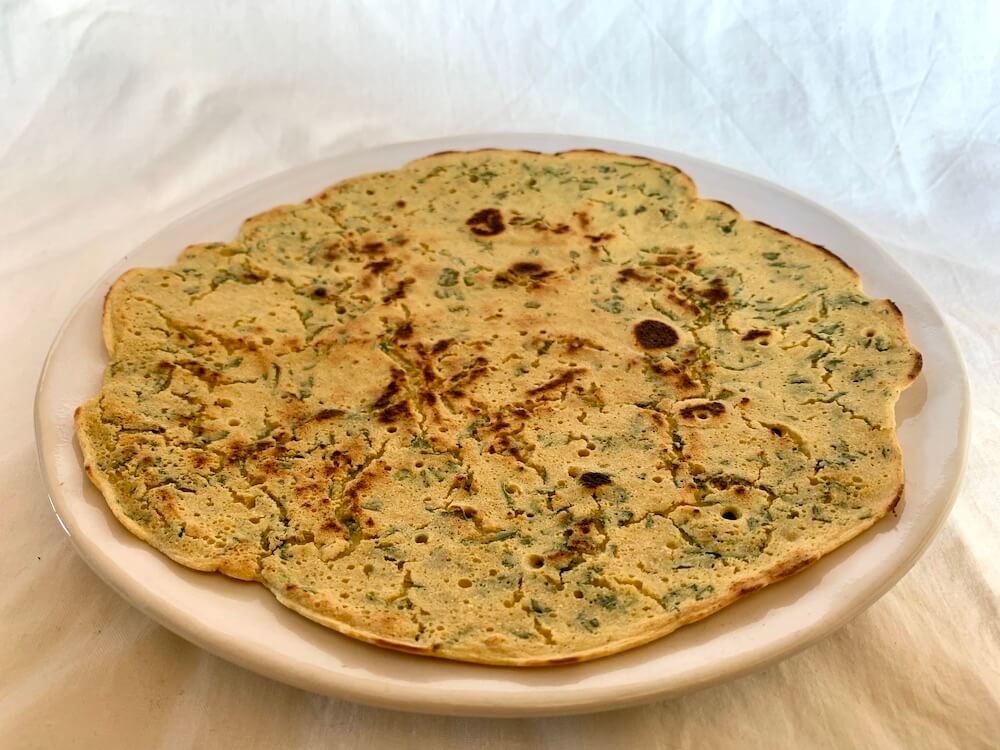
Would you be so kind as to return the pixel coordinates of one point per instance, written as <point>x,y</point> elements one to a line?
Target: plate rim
<point>455,701</point>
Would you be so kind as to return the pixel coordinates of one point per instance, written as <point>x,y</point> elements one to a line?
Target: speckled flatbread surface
<point>502,407</point>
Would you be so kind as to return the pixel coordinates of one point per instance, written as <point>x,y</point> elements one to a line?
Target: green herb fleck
<point>469,277</point>
<point>862,373</point>
<point>608,601</point>
<point>819,515</point>
<point>613,305</point>
<point>448,277</point>
<point>588,623</point>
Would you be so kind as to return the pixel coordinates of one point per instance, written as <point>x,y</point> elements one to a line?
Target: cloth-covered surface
<point>118,117</point>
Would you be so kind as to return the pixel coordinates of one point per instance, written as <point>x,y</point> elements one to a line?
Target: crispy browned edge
<point>737,590</point>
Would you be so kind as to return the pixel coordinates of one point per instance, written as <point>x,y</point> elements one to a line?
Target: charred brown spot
<point>655,334</point>
<point>542,226</point>
<point>593,479</point>
<point>918,365</point>
<point>331,525</point>
<point>630,274</point>
<point>400,204</point>
<point>404,330</point>
<point>397,292</point>
<point>486,223</point>
<point>462,482</point>
<point>464,511</point>
<point>560,558</point>
<point>793,567</point>
<point>755,334</point>
<point>684,304</point>
<point>427,370</point>
<point>305,489</point>
<point>727,482</point>
<point>665,370</point>
<point>584,218</point>
<point>378,266</point>
<point>319,292</point>
<point>373,247</point>
<point>896,500</point>
<point>683,380</point>
<point>665,260</point>
<point>686,382</point>
<point>526,268</point>
<point>383,401</point>
<point>329,414</point>
<point>352,492</point>
<point>576,343</point>
<point>394,413</point>
<point>702,411</point>
<point>522,271</point>
<point>602,237</point>
<point>715,293</point>
<point>441,345</point>
<point>200,460</point>
<point>557,382</point>
<point>499,425</point>
<point>391,390</point>
<point>480,366</point>
<point>200,371</point>
<point>580,539</point>
<point>563,660</point>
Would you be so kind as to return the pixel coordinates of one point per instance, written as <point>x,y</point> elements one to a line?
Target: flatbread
<point>501,407</point>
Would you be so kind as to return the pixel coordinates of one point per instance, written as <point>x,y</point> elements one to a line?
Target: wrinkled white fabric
<point>117,117</point>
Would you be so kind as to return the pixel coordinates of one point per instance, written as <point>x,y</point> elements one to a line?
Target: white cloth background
<point>117,117</point>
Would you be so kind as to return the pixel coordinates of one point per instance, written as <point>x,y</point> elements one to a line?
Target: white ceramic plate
<point>243,623</point>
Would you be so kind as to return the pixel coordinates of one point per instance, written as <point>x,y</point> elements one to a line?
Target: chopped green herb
<point>448,277</point>
<point>539,608</point>
<point>469,277</point>
<point>608,601</point>
<point>862,373</point>
<point>588,623</point>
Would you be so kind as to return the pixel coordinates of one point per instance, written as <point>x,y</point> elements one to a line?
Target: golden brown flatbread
<point>502,407</point>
